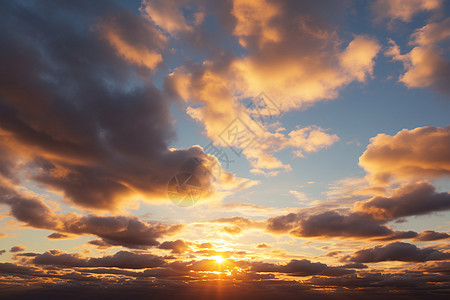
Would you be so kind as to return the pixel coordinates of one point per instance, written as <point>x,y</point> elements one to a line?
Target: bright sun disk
<point>218,259</point>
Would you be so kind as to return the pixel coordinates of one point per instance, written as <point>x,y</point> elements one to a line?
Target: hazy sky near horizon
<point>228,148</point>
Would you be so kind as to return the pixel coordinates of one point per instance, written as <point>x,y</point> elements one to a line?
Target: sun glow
<point>218,259</point>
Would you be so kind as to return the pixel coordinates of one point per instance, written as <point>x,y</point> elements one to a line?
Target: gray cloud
<point>19,248</point>
<point>397,251</point>
<point>127,231</point>
<point>98,127</point>
<point>410,200</point>
<point>178,246</point>
<point>122,259</point>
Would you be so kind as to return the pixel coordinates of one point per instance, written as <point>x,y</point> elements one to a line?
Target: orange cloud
<point>420,153</point>
<point>253,18</point>
<point>169,16</point>
<point>403,10</point>
<point>297,61</point>
<point>425,64</point>
<point>140,48</point>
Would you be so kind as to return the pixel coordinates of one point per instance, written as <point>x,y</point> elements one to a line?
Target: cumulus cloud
<point>425,65</point>
<point>296,59</point>
<point>409,200</point>
<point>403,10</point>
<point>420,153</point>
<point>178,246</point>
<point>397,251</point>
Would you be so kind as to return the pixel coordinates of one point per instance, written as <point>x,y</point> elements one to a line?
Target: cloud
<point>397,251</point>
<point>57,236</point>
<point>409,200</point>
<point>297,59</point>
<point>431,33</point>
<point>170,16</point>
<point>368,218</point>
<point>431,235</point>
<point>355,266</point>
<point>262,246</point>
<point>425,65</point>
<point>334,224</point>
<point>122,259</point>
<point>374,283</point>
<point>420,153</point>
<point>19,248</point>
<point>178,246</point>
<point>133,38</point>
<point>403,10</point>
<point>205,246</point>
<point>295,267</point>
<point>97,129</point>
<point>127,231</point>
<point>437,267</point>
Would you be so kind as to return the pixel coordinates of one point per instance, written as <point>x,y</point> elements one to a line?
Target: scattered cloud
<point>403,10</point>
<point>19,248</point>
<point>425,65</point>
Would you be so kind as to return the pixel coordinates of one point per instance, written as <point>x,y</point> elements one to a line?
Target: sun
<point>218,259</point>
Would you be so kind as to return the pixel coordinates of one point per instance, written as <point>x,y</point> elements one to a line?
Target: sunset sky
<point>235,149</point>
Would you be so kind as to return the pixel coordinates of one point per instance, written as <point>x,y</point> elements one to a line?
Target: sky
<point>246,149</point>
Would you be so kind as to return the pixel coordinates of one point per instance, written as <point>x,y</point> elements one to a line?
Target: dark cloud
<point>397,251</point>
<point>399,235</point>
<point>442,267</point>
<point>334,224</point>
<point>15,249</point>
<point>295,267</point>
<point>100,243</point>
<point>419,284</point>
<point>262,246</point>
<point>57,236</point>
<point>355,266</point>
<point>369,218</point>
<point>430,235</point>
<point>282,224</point>
<point>127,231</point>
<point>410,200</point>
<point>122,259</point>
<point>178,246</point>
<point>97,126</point>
